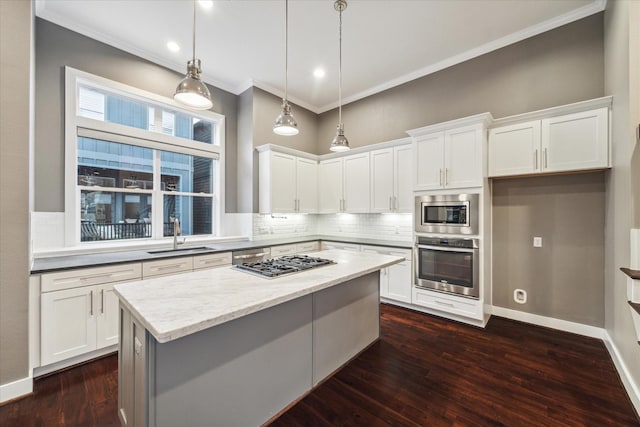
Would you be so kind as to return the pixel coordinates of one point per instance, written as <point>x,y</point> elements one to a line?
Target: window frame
<point>76,126</point>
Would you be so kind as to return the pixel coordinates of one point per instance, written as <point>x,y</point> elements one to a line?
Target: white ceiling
<point>385,43</point>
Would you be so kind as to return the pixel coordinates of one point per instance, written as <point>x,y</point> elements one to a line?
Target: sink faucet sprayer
<point>176,232</point>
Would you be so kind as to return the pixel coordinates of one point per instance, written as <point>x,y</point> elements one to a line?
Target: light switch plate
<point>537,242</point>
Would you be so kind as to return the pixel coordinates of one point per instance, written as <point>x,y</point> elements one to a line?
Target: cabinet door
<point>515,149</point>
<point>67,324</point>
<point>330,190</point>
<point>357,185</point>
<point>428,167</point>
<point>403,187</point>
<point>307,185</point>
<point>382,180</point>
<point>576,141</point>
<point>283,183</point>
<point>106,303</point>
<point>463,157</point>
<point>399,280</point>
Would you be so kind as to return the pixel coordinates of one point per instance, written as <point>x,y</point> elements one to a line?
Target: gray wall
<point>15,139</point>
<point>554,68</point>
<point>256,113</point>
<point>565,278</point>
<point>56,48</point>
<point>618,76</point>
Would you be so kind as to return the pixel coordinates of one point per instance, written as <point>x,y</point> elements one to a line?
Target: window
<point>136,162</point>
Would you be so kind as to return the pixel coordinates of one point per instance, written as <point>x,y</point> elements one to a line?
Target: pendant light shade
<point>285,124</point>
<point>191,91</point>
<point>340,142</point>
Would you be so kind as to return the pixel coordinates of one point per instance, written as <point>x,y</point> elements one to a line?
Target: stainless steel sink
<point>181,250</point>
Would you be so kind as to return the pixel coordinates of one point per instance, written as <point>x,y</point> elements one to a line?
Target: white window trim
<point>76,125</point>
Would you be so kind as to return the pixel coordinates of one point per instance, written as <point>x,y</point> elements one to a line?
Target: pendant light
<point>192,91</point>
<point>285,123</point>
<point>340,142</point>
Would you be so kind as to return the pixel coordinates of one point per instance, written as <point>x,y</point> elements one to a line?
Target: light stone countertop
<point>175,306</point>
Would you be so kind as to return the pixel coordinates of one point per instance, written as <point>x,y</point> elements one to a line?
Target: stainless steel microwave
<point>447,214</point>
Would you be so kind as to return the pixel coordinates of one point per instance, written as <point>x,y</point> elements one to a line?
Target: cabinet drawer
<point>211,260</point>
<point>302,248</point>
<point>90,276</point>
<point>451,304</point>
<point>281,250</point>
<point>166,266</point>
<point>405,253</point>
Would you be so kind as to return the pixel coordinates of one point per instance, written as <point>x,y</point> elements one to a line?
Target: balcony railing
<point>91,231</point>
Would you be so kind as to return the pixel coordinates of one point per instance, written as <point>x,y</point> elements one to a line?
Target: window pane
<point>109,215</point>
<point>101,105</point>
<point>194,213</point>
<point>185,173</point>
<point>111,164</point>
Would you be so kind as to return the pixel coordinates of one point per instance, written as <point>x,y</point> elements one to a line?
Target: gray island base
<point>253,363</point>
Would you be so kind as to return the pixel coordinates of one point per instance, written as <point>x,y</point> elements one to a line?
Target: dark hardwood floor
<point>424,371</point>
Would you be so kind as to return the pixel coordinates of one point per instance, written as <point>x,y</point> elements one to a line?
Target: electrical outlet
<point>537,242</point>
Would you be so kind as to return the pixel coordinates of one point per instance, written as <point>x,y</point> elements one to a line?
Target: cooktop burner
<point>283,265</point>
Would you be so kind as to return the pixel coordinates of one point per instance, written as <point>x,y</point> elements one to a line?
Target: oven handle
<point>447,248</point>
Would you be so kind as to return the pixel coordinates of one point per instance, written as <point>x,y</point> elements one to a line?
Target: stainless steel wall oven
<point>447,214</point>
<point>447,265</point>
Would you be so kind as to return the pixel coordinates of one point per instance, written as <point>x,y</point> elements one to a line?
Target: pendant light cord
<point>286,48</point>
<point>340,71</point>
<point>194,31</point>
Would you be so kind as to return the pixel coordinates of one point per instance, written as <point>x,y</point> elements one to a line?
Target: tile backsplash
<point>372,226</point>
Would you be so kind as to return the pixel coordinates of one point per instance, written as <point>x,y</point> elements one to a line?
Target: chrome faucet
<point>176,232</point>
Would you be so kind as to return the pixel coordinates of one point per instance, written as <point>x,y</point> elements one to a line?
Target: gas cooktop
<point>283,265</point>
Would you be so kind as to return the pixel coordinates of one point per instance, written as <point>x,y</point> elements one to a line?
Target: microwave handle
<point>447,248</point>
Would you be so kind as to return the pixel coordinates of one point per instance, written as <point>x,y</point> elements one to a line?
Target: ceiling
<point>385,43</point>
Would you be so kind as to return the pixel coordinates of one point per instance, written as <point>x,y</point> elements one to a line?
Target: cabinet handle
<point>91,304</point>
<point>298,207</point>
<point>390,203</point>
<point>440,178</point>
<point>535,158</point>
<point>395,203</point>
<point>545,158</point>
<point>167,267</point>
<point>446,176</point>
<point>102,301</point>
<point>96,276</point>
<point>444,303</point>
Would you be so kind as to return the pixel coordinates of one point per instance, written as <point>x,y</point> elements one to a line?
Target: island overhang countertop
<point>172,307</point>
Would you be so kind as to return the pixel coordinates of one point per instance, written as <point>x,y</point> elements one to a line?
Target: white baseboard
<point>632,388</point>
<point>16,389</point>
<point>550,322</point>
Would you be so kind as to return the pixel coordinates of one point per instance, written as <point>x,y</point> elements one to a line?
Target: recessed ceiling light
<point>318,73</point>
<point>173,46</point>
<point>206,4</point>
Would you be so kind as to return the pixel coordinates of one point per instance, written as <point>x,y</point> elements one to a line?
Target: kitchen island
<point>224,347</point>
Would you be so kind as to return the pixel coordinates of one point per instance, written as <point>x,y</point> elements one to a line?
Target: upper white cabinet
<point>345,184</point>
<point>287,183</point>
<point>450,154</point>
<point>560,139</point>
<point>391,186</point>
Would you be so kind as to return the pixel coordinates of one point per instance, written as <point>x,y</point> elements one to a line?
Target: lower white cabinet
<point>460,306</point>
<point>164,267</point>
<point>395,281</point>
<point>76,321</point>
<point>340,245</point>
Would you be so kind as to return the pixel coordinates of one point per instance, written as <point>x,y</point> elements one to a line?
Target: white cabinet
<point>391,186</point>
<point>79,310</point>
<point>465,307</point>
<point>167,266</point>
<point>561,143</point>
<point>345,184</point>
<point>450,155</point>
<point>395,280</point>
<point>298,248</point>
<point>287,183</point>
<point>211,260</point>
